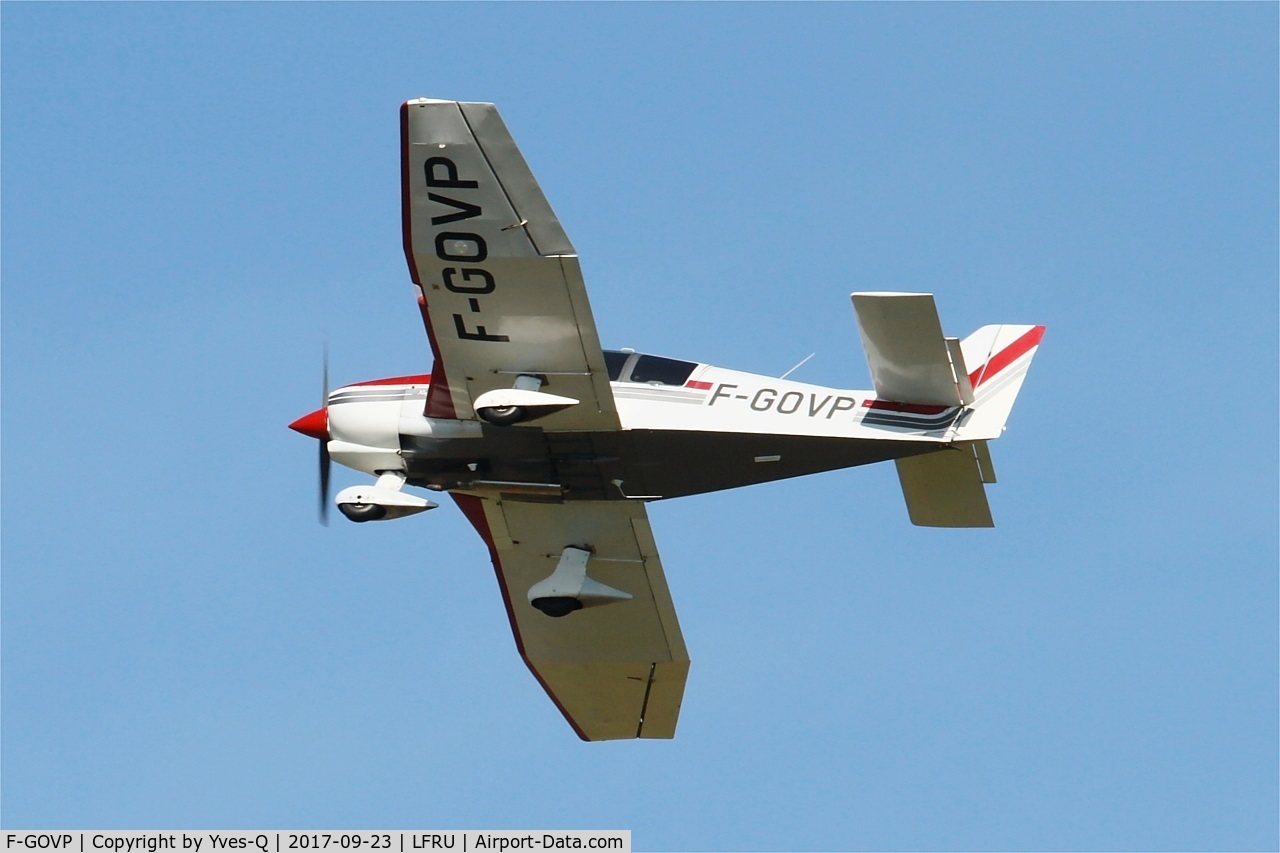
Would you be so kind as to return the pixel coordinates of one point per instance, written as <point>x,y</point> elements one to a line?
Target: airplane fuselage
<point>687,428</point>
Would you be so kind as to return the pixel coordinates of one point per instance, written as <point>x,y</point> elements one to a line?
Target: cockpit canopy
<point>647,369</point>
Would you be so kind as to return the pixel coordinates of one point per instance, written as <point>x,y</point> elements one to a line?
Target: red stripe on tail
<point>1007,356</point>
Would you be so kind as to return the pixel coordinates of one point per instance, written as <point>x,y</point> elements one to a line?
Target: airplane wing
<point>501,291</point>
<point>615,671</point>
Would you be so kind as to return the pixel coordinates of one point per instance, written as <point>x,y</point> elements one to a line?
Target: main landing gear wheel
<point>502,415</point>
<point>557,606</point>
<point>363,512</point>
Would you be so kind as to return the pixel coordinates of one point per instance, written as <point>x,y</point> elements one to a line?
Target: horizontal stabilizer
<point>944,489</point>
<point>910,360</point>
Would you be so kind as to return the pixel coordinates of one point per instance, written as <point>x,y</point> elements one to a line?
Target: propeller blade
<point>325,462</point>
<point>324,483</point>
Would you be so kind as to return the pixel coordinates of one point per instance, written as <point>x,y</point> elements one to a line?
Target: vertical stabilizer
<point>998,358</point>
<point>913,362</point>
<point>948,488</point>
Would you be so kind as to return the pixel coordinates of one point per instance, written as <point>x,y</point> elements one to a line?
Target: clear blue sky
<point>194,195</point>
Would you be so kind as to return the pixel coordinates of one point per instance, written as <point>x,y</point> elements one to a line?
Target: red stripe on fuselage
<point>420,379</point>
<point>1007,356</point>
<point>909,408</point>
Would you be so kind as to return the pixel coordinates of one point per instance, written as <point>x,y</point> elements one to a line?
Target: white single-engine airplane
<point>551,446</point>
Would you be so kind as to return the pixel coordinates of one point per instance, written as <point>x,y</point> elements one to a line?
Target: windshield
<point>647,369</point>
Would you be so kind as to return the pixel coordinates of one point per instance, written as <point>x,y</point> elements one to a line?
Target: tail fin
<point>912,362</point>
<point>947,488</point>
<point>997,358</point>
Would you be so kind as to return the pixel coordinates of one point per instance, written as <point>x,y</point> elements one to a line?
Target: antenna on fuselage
<point>798,366</point>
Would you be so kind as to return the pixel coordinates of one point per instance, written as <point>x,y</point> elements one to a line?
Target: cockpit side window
<point>654,369</point>
<point>615,361</point>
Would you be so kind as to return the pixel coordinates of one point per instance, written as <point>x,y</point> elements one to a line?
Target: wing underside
<point>502,292</point>
<point>615,671</point>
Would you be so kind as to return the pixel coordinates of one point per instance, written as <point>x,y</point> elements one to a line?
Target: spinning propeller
<point>316,425</point>
<point>325,461</point>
